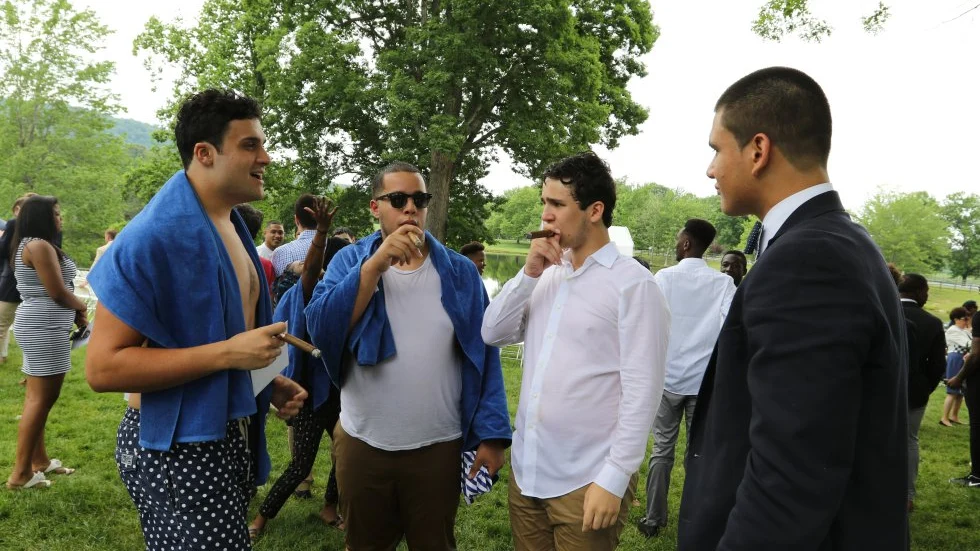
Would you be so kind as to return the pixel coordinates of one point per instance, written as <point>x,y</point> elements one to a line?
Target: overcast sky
<point>904,102</point>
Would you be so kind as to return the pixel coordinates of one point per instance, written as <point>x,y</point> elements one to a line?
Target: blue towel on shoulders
<point>168,276</point>
<point>483,401</point>
<point>291,310</point>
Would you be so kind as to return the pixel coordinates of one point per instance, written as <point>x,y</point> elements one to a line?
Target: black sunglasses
<point>398,199</point>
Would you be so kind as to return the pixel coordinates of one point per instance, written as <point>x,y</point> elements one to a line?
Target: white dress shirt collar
<point>692,262</point>
<point>778,214</point>
<point>605,256</point>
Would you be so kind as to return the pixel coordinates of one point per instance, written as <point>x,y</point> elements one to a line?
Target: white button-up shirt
<point>699,297</point>
<point>595,345</point>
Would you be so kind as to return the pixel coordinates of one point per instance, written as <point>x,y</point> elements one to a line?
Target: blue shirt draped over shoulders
<point>169,277</point>
<point>483,402</point>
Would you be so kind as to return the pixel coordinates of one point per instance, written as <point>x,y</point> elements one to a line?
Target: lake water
<point>499,269</point>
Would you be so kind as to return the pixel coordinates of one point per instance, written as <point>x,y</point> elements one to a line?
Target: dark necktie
<point>753,241</point>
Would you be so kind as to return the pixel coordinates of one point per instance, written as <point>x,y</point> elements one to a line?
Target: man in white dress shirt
<point>698,297</point>
<point>594,326</point>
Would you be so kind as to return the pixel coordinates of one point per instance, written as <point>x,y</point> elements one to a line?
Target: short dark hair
<point>588,179</point>
<point>958,313</point>
<point>204,117</point>
<point>305,219</point>
<point>912,283</point>
<point>739,254</point>
<point>112,233</point>
<point>36,219</point>
<point>378,181</point>
<point>252,217</point>
<point>970,305</point>
<point>787,106</point>
<point>343,229</point>
<point>471,248</point>
<point>273,223</point>
<point>642,262</point>
<point>701,232</point>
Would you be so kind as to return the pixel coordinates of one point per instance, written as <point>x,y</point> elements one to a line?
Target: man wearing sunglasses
<point>397,317</point>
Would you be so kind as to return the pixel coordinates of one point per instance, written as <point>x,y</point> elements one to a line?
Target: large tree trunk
<point>440,178</point>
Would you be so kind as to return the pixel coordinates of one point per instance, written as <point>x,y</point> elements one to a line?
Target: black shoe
<point>648,530</point>
<point>969,481</point>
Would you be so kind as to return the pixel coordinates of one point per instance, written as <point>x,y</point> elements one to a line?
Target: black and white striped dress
<point>42,326</point>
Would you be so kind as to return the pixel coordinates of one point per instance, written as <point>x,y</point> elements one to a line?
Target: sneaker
<point>969,481</point>
<point>648,530</point>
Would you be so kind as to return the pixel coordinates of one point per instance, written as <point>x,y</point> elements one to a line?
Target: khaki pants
<point>7,312</point>
<point>385,495</point>
<point>555,524</point>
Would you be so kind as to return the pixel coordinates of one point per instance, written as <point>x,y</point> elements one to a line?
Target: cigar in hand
<point>301,344</point>
<point>539,233</point>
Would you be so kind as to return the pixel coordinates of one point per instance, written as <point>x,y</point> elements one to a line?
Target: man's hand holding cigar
<point>399,248</point>
<point>545,251</point>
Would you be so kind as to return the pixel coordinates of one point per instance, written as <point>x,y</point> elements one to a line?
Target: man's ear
<point>204,153</point>
<point>374,209</point>
<point>760,147</point>
<point>595,211</point>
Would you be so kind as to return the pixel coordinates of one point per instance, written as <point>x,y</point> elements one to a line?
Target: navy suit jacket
<point>799,436</point>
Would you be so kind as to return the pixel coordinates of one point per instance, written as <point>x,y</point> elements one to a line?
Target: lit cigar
<point>539,233</point>
<point>301,344</point>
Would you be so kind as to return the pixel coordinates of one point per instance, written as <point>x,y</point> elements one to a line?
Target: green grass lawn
<point>90,510</point>
<point>508,246</point>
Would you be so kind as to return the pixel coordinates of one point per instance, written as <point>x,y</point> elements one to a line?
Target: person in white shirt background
<point>698,298</point>
<point>594,327</point>
<point>272,238</point>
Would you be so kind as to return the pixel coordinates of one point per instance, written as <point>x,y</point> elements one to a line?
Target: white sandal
<point>56,464</point>
<point>37,480</point>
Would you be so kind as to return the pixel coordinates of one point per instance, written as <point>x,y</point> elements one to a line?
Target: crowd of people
<point>801,384</point>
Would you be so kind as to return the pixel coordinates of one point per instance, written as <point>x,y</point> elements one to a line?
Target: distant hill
<point>134,132</point>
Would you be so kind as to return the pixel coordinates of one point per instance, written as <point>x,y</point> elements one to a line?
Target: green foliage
<point>54,116</point>
<point>518,214</point>
<point>654,214</point>
<point>778,18</point>
<point>962,212</point>
<point>352,84</point>
<point>150,172</point>
<point>909,228</point>
<point>353,210</point>
<point>875,22</point>
<point>134,132</point>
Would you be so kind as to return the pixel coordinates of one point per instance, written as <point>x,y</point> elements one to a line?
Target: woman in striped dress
<point>42,326</point>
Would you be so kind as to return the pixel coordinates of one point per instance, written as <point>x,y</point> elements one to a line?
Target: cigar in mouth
<point>301,344</point>
<point>539,234</point>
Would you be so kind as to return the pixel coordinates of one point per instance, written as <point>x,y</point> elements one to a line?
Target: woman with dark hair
<point>42,326</point>
<point>958,340</point>
<point>321,410</point>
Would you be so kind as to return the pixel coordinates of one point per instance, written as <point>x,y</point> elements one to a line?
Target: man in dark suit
<point>799,438</point>
<point>928,365</point>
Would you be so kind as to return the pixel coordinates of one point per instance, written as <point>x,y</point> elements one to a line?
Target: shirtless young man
<point>184,315</point>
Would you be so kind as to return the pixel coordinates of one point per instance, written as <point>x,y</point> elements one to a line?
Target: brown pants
<point>385,495</point>
<point>556,523</point>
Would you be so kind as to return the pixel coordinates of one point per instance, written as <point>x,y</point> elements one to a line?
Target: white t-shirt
<point>412,399</point>
<point>265,252</point>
